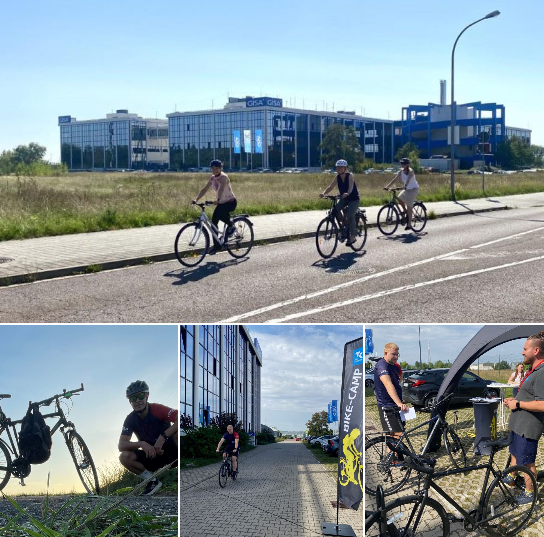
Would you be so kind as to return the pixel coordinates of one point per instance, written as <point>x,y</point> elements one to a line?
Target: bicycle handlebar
<point>327,197</point>
<point>66,394</point>
<point>203,205</point>
<point>394,189</point>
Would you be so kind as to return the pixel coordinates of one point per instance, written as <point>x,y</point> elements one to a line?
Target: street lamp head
<point>495,13</point>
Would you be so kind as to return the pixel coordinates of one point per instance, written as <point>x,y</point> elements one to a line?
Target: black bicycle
<point>390,215</point>
<point>500,513</point>
<point>332,230</point>
<point>193,240</point>
<point>12,463</point>
<point>383,467</point>
<point>226,469</point>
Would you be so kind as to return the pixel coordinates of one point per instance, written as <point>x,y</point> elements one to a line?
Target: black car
<point>421,388</point>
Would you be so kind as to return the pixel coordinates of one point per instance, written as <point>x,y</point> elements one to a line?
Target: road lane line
<point>401,289</point>
<point>265,309</point>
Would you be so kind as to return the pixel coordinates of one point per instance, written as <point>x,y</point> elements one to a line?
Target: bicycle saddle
<point>500,443</point>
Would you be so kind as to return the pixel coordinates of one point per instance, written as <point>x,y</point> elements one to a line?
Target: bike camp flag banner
<point>369,345</point>
<point>350,462</point>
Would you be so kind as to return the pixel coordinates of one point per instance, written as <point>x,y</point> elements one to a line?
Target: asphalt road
<point>477,268</point>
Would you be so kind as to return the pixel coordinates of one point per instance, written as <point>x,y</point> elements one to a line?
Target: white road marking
<point>401,289</point>
<point>334,288</point>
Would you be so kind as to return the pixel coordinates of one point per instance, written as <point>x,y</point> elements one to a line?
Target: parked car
<point>331,446</point>
<point>314,439</point>
<point>323,439</point>
<point>421,388</point>
<point>369,378</point>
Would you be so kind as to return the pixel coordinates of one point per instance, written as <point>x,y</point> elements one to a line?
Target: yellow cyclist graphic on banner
<point>351,468</point>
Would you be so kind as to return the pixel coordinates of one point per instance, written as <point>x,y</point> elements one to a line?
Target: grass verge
<point>330,463</point>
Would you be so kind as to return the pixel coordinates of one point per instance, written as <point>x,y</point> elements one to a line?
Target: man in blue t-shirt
<point>387,386</point>
<point>232,440</point>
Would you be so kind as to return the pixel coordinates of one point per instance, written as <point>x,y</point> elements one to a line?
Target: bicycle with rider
<point>411,189</point>
<point>232,439</point>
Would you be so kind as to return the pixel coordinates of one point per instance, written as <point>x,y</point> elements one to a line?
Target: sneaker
<point>153,486</point>
<point>214,249</point>
<point>526,496</point>
<point>234,475</point>
<point>408,227</point>
<point>509,480</point>
<point>230,231</point>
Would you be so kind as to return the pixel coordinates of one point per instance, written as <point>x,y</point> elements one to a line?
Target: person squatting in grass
<point>232,440</point>
<point>526,422</point>
<point>156,428</point>
<point>388,390</point>
<point>349,198</point>
<point>226,200</point>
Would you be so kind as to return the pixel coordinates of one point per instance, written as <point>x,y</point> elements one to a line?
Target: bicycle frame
<point>204,221</point>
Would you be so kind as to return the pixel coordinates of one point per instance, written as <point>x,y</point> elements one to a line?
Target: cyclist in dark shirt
<point>155,427</point>
<point>232,440</point>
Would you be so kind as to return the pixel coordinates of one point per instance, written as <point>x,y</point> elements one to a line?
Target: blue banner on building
<point>258,141</point>
<point>369,345</point>
<point>247,140</point>
<point>263,101</point>
<point>334,410</point>
<point>236,141</point>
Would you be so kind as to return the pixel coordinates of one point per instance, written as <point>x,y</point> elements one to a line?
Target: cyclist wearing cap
<point>155,427</point>
<point>349,197</point>
<point>233,440</point>
<point>226,200</point>
<point>411,188</point>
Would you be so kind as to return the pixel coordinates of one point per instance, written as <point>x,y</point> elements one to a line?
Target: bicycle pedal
<point>453,518</point>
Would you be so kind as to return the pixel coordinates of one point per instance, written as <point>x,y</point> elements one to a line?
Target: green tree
<point>406,150</point>
<point>439,364</point>
<point>28,154</point>
<point>501,366</point>
<point>339,142</point>
<point>318,425</point>
<point>514,153</point>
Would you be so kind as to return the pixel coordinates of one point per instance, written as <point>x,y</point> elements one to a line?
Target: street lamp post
<point>453,105</point>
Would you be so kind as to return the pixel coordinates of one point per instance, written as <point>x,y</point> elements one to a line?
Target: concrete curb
<point>155,258</point>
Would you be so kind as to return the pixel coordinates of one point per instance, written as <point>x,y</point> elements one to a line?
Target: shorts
<point>233,452</point>
<point>170,455</point>
<point>409,196</point>
<point>391,422</point>
<point>524,449</point>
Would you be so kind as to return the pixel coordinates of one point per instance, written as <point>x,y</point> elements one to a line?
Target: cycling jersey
<point>148,429</point>
<point>230,440</point>
<point>383,368</point>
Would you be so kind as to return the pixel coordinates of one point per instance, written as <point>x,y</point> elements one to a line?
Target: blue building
<point>480,128</point>
<point>260,132</point>
<point>220,372</point>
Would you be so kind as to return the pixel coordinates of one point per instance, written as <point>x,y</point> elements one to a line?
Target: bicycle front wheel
<point>191,244</point>
<point>223,475</point>
<point>388,219</point>
<point>503,512</point>
<point>419,216</point>
<point>360,239</point>
<point>5,465</point>
<point>454,447</point>
<point>83,461</point>
<point>326,238</point>
<point>400,519</point>
<point>241,241</point>
<point>381,467</point>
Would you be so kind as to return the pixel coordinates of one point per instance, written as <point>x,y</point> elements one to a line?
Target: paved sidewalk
<point>282,491</point>
<point>50,257</point>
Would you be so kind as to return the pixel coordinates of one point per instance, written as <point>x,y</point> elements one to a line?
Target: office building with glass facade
<point>121,141</point>
<point>220,372</point>
<point>260,132</point>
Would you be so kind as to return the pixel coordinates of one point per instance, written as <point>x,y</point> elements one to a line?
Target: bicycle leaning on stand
<point>193,239</point>
<point>390,215</point>
<point>332,229</point>
<point>499,512</point>
<point>19,467</point>
<point>226,470</point>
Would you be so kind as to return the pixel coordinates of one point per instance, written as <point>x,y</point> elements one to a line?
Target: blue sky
<point>445,341</point>
<point>39,361</point>
<point>87,59</point>
<point>302,370</point>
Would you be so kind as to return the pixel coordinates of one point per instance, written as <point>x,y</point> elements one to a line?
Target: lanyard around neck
<point>529,372</point>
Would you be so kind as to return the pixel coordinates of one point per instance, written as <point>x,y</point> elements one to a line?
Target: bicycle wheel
<point>241,241</point>
<point>401,515</point>
<point>454,447</point>
<point>223,475</point>
<point>326,238</point>
<point>360,240</point>
<point>5,464</point>
<point>191,244</point>
<point>419,216</point>
<point>379,467</point>
<point>83,461</point>
<point>507,516</point>
<point>388,219</point>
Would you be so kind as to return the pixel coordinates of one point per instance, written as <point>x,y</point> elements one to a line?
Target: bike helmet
<point>342,162</point>
<point>405,161</point>
<point>216,164</point>
<point>137,387</point>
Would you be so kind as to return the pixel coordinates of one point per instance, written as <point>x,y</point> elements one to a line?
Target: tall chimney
<point>443,92</point>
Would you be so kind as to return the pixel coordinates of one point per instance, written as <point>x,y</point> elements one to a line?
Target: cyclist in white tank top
<point>411,189</point>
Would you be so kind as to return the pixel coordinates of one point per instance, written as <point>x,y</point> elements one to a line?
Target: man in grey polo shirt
<point>527,419</point>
